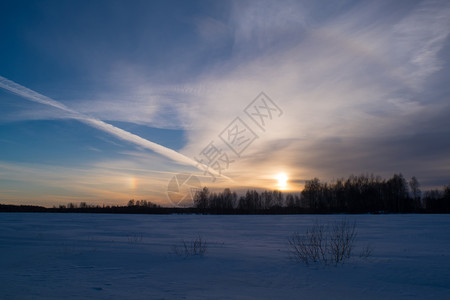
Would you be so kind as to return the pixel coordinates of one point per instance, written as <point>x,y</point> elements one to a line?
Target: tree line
<point>355,194</point>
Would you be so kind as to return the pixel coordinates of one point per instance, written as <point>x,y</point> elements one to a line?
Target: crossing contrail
<point>106,127</point>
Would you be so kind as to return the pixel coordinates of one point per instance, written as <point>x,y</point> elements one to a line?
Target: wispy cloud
<point>356,78</point>
<point>115,131</point>
<point>353,79</point>
<point>344,75</point>
<point>419,37</point>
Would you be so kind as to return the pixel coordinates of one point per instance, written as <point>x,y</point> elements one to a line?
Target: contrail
<point>113,130</point>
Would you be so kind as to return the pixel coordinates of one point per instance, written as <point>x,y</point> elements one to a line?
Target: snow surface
<point>95,256</point>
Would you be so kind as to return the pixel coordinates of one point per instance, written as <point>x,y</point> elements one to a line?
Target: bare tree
<point>201,198</point>
<point>290,201</point>
<point>415,187</point>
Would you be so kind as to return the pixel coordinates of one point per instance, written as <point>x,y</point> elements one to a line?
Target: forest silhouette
<point>355,194</point>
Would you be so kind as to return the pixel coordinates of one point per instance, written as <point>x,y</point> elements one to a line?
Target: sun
<point>282,181</point>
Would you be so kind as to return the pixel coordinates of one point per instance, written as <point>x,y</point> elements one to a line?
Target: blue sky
<point>363,86</point>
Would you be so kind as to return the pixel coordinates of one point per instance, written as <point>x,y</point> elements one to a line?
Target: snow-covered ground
<point>95,256</point>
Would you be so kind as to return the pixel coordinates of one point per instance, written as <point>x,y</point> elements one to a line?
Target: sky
<point>107,101</point>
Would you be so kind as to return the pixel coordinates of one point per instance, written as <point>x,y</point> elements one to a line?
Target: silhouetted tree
<point>398,193</point>
<point>228,199</point>
<point>290,201</point>
<point>277,198</point>
<point>311,193</point>
<point>267,199</point>
<point>298,201</point>
<point>416,193</point>
<point>250,202</point>
<point>447,192</point>
<point>201,199</point>
<point>431,199</point>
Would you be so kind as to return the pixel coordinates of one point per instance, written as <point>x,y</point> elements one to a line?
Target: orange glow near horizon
<point>133,182</point>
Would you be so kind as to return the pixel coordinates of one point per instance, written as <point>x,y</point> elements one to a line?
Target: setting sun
<point>282,181</point>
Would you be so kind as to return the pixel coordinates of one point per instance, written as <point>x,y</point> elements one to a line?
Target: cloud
<point>419,37</point>
<point>115,131</point>
<point>351,88</point>
<point>353,80</point>
<point>350,79</point>
<point>262,25</point>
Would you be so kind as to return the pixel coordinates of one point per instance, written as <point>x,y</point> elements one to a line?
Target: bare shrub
<point>366,251</point>
<point>135,238</point>
<point>330,244</point>
<point>342,236</point>
<point>311,247</point>
<point>190,248</point>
